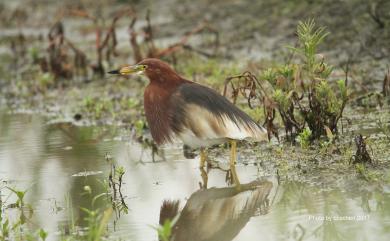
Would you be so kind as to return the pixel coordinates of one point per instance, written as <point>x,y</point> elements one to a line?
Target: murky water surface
<point>56,161</point>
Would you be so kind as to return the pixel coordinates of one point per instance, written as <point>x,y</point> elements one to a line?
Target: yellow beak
<point>127,70</point>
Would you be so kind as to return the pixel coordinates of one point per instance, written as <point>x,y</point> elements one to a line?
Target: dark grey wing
<point>228,121</point>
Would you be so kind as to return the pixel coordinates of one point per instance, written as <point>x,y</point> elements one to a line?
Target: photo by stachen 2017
<point>209,120</point>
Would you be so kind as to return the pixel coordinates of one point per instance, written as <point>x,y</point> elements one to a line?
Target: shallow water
<point>56,161</point>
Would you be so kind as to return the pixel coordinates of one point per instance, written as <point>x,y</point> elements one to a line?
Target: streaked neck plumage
<point>163,84</point>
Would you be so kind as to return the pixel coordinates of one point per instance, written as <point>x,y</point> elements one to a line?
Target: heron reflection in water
<point>217,214</point>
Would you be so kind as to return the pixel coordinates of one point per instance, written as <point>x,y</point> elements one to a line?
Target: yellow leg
<point>202,157</point>
<point>233,152</point>
<point>203,173</point>
<point>233,160</point>
<point>205,178</point>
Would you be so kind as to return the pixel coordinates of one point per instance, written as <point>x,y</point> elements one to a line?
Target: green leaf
<point>42,234</point>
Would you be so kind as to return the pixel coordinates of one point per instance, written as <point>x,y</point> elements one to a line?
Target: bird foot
<point>234,175</point>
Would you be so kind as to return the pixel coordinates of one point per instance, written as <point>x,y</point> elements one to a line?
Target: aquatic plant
<point>97,107</point>
<point>96,217</point>
<point>114,187</point>
<point>366,174</point>
<point>304,138</point>
<point>20,195</point>
<point>42,234</point>
<point>97,220</point>
<point>301,93</point>
<point>17,229</point>
<point>164,231</point>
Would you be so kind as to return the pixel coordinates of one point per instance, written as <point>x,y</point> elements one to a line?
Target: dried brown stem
<point>361,155</point>
<point>183,41</point>
<point>386,84</point>
<point>248,83</point>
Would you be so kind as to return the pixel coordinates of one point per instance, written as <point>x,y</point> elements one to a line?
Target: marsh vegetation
<point>77,161</point>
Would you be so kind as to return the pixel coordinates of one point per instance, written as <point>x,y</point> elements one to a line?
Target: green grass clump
<point>304,138</point>
<point>367,174</point>
<point>210,72</point>
<point>302,92</point>
<point>98,107</point>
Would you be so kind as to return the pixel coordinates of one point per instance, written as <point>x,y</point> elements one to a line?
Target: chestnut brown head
<point>155,69</point>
